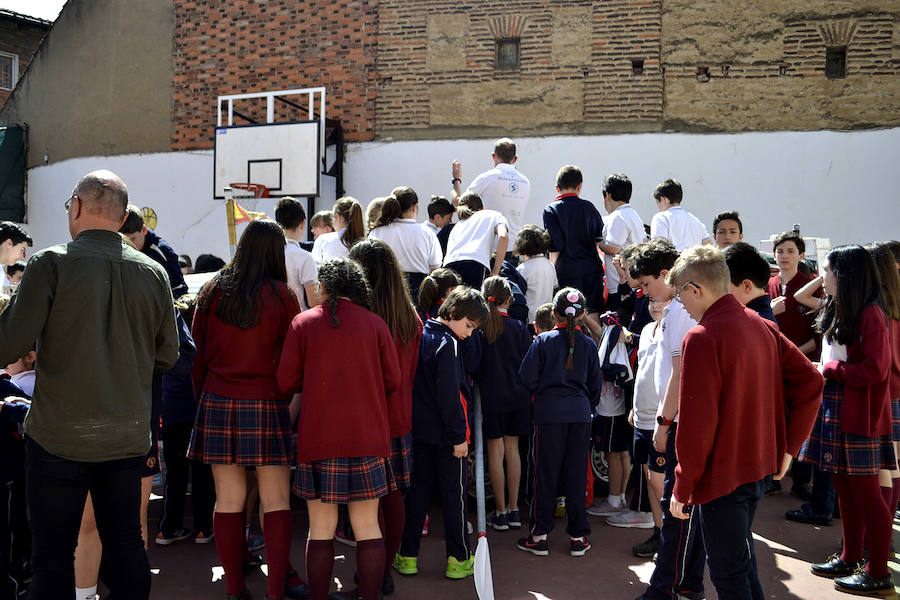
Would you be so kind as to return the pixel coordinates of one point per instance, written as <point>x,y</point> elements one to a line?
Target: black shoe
<point>834,567</point>
<point>387,584</point>
<point>689,595</point>
<point>773,487</point>
<point>648,548</point>
<point>807,514</point>
<point>863,584</point>
<point>536,547</point>
<point>295,591</point>
<point>255,562</point>
<point>245,596</point>
<point>803,492</point>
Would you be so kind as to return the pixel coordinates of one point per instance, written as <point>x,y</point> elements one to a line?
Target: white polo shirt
<point>329,245</point>
<point>676,322</point>
<point>623,228</point>
<point>505,190</point>
<point>540,275</point>
<point>429,226</point>
<point>301,270</point>
<point>647,396</point>
<point>679,227</point>
<point>417,249</point>
<point>475,238</point>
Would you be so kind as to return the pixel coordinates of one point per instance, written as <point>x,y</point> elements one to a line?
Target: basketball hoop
<point>249,194</point>
<point>241,207</point>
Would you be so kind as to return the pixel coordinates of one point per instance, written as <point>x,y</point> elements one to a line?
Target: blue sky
<point>45,9</point>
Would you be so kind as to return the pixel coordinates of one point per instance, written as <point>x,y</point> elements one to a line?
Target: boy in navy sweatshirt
<point>440,429</point>
<point>562,371</point>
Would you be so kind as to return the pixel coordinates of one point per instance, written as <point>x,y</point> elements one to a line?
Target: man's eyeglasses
<point>69,201</point>
<point>681,289</point>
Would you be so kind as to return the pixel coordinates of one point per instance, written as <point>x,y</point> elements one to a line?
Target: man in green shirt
<point>103,318</point>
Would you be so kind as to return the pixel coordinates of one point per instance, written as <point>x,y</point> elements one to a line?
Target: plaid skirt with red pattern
<point>895,419</point>
<point>229,431</point>
<point>400,460</point>
<point>836,452</point>
<point>342,480</point>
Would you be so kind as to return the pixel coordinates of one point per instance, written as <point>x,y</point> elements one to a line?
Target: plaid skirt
<point>833,451</point>
<point>895,419</point>
<point>247,433</point>
<point>400,460</point>
<point>342,480</point>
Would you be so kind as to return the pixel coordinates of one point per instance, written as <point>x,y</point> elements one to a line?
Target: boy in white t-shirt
<point>623,228</point>
<point>673,222</point>
<point>531,246</point>
<point>302,271</point>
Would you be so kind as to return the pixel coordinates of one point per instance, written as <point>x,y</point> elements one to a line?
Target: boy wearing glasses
<point>679,564</point>
<point>731,436</point>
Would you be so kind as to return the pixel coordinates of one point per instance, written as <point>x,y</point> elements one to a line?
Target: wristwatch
<point>661,420</point>
<point>629,337</point>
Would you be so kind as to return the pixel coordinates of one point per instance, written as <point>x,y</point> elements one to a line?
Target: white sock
<point>622,499</point>
<point>89,593</point>
<point>539,538</point>
<point>614,501</point>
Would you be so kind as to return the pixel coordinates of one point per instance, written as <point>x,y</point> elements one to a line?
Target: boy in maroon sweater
<point>730,435</point>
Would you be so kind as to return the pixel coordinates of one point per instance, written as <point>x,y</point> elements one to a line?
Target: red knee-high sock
<point>319,562</point>
<point>394,511</point>
<point>278,528</point>
<point>370,566</point>
<point>245,551</point>
<point>886,493</point>
<point>229,542</point>
<point>869,520</point>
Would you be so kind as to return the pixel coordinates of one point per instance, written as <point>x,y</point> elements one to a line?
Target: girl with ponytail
<point>348,229</point>
<point>562,372</point>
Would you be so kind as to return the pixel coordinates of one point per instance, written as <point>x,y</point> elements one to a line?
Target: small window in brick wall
<point>836,62</point>
<point>9,70</point>
<point>508,53</point>
<point>637,66</point>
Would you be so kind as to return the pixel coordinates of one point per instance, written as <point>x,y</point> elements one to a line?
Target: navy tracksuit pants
<point>559,461</point>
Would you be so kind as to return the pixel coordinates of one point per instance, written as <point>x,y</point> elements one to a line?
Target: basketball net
<point>241,200</point>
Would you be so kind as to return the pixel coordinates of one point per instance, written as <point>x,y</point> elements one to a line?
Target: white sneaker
<point>604,509</point>
<point>631,518</point>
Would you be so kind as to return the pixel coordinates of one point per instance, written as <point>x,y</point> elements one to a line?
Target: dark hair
<point>469,204</point>
<point>890,278</point>
<point>496,290</point>
<point>11,231</point>
<point>343,277</point>
<point>790,236</point>
<point>531,241</point>
<point>185,261</point>
<point>390,294</point>
<point>671,189</point>
<point>505,149</point>
<point>729,215</point>
<point>401,200</point>
<point>352,213</point>
<point>14,268</point>
<point>618,186</point>
<point>894,247</point>
<point>439,205</point>
<point>436,286</point>
<point>568,178</point>
<point>745,262</point>
<point>464,303</point>
<point>569,304</point>
<point>134,220</point>
<point>208,263</point>
<point>258,262</point>
<point>543,317</point>
<point>322,218</point>
<point>289,213</point>
<point>652,258</point>
<point>858,286</point>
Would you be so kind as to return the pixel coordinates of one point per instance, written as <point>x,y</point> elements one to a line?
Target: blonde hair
<point>4,302</point>
<point>704,265</point>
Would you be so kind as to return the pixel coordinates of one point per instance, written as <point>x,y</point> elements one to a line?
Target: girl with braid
<point>344,430</point>
<point>562,372</point>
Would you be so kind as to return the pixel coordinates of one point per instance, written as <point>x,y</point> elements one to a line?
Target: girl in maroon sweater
<point>851,437</point>
<point>243,420</point>
<point>345,360</point>
<point>391,301</point>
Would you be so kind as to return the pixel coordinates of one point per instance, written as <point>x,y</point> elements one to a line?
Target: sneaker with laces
<point>648,547</point>
<point>632,518</point>
<point>255,542</point>
<point>514,519</point>
<point>204,537</point>
<point>459,569</point>
<point>406,565</point>
<point>579,546</point>
<point>164,539</point>
<point>536,547</point>
<point>604,509</point>
<point>499,522</point>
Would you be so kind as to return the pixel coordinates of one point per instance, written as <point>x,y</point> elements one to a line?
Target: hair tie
<point>570,310</point>
<point>576,305</point>
<point>572,297</point>
<point>492,299</point>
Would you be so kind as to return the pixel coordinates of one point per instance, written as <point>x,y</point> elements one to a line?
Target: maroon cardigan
<point>401,417</point>
<point>895,362</point>
<point>866,405</point>
<point>747,396</point>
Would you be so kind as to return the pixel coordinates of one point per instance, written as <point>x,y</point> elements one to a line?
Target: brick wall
<point>20,37</point>
<point>243,46</point>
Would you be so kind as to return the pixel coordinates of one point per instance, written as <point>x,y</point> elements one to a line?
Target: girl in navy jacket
<point>562,371</point>
<point>505,402</point>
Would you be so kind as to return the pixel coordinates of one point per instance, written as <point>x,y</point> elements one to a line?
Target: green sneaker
<point>407,565</point>
<point>460,570</point>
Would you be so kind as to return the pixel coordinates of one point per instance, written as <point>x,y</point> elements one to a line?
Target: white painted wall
<point>841,185</point>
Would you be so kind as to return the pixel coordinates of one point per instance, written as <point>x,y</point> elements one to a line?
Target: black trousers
<point>472,272</point>
<point>175,442</point>
<point>727,535</point>
<point>56,491</point>
<point>559,461</point>
<point>680,558</point>
<point>432,462</point>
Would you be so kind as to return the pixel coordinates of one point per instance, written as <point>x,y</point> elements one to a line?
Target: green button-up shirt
<point>102,316</point>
